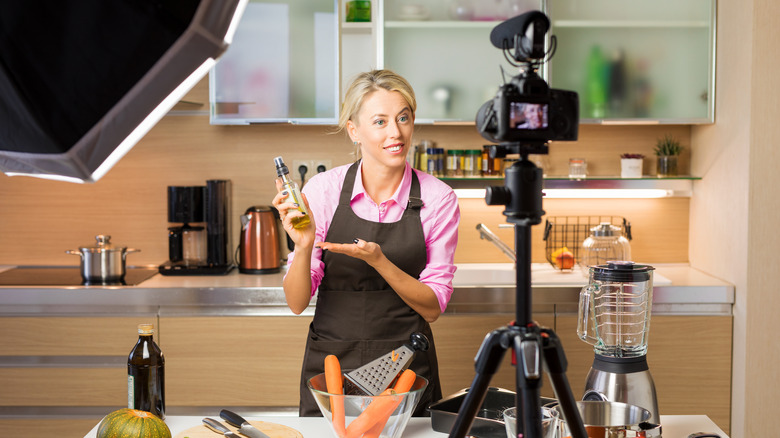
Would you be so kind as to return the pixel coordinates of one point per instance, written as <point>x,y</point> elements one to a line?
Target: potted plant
<point>667,149</point>
<point>631,165</point>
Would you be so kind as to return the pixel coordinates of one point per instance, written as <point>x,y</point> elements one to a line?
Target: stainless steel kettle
<point>259,246</point>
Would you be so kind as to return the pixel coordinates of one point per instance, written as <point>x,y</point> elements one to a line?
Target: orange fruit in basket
<point>563,258</point>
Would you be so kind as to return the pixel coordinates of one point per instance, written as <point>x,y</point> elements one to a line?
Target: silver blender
<point>614,317</point>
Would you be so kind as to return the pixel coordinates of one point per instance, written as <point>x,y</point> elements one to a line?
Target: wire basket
<point>571,231</point>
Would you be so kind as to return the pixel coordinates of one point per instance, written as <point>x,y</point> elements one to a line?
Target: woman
<point>379,249</point>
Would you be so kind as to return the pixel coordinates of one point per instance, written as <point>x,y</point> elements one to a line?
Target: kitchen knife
<point>218,427</point>
<point>244,428</point>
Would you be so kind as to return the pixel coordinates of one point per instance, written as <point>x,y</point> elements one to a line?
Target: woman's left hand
<point>369,252</point>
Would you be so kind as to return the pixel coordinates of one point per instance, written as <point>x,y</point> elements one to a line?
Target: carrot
<point>405,381</point>
<point>335,385</point>
<point>402,385</point>
<point>381,407</point>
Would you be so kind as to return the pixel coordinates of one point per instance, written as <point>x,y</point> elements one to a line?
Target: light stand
<point>532,346</point>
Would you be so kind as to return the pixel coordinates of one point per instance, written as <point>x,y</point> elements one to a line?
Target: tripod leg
<point>486,364</point>
<point>529,376</point>
<point>556,364</point>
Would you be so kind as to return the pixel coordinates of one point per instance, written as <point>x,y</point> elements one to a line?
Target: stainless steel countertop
<point>684,290</point>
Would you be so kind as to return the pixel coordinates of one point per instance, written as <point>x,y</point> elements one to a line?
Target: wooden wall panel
<point>40,220</point>
<point>659,227</point>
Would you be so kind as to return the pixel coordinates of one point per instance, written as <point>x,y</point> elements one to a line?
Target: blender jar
<point>614,313</point>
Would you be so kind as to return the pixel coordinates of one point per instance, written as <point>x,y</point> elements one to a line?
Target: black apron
<point>358,316</point>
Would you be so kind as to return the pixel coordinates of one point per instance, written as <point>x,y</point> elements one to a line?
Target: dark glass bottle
<point>146,374</point>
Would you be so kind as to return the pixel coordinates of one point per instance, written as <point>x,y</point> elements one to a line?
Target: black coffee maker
<point>199,234</point>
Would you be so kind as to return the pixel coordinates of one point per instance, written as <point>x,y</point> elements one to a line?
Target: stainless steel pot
<point>103,263</point>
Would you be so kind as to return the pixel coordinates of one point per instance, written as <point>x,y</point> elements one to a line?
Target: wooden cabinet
<point>233,361</point>
<point>689,359</point>
<point>458,338</point>
<point>60,375</point>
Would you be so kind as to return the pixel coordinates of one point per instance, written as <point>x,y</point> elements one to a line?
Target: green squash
<point>132,423</point>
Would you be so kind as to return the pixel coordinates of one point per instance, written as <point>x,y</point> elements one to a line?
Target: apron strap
<point>349,184</point>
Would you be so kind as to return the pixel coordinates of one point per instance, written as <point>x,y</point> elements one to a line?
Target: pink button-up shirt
<point>440,216</point>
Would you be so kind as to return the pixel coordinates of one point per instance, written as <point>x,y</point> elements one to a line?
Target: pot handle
<point>70,251</point>
<point>128,251</point>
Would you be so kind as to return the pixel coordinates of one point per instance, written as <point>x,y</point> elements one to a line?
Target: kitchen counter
<point>479,288</point>
<point>674,426</point>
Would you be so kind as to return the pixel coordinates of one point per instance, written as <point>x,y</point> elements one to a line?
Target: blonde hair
<point>365,84</point>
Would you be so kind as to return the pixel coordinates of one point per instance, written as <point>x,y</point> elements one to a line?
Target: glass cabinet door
<point>443,48</point>
<point>640,60</point>
<point>281,67</point>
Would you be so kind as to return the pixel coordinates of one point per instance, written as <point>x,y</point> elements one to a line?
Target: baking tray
<point>489,422</point>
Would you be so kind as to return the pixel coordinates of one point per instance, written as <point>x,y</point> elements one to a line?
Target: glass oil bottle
<point>293,193</point>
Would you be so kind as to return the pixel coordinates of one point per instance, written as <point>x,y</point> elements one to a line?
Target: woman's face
<point>384,128</point>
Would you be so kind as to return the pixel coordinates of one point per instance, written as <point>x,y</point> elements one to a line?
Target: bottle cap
<point>145,329</point>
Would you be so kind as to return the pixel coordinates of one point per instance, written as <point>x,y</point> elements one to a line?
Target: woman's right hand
<point>302,237</point>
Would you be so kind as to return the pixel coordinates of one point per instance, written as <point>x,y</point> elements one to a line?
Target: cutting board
<point>273,430</point>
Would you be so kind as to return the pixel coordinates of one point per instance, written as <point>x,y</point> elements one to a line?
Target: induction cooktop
<point>67,276</point>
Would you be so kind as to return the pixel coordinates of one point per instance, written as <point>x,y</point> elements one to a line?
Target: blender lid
<point>622,271</point>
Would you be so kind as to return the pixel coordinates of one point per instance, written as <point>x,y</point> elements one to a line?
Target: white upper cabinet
<point>641,61</point>
<point>281,67</point>
<point>443,48</point>
<point>637,62</point>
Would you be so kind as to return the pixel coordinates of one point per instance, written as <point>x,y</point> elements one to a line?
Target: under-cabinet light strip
<point>581,193</point>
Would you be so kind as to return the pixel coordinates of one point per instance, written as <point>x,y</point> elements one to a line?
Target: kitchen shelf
<point>357,28</point>
<point>680,186</point>
<point>628,24</point>
<point>443,24</point>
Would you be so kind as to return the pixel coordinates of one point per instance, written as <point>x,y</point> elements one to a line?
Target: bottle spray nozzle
<point>281,168</point>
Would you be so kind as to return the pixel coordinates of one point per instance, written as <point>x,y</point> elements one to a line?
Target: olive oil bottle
<point>146,374</point>
<point>293,193</point>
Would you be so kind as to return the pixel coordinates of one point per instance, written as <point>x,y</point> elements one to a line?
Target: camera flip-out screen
<point>528,116</point>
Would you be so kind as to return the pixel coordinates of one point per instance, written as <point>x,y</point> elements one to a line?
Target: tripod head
<point>522,190</point>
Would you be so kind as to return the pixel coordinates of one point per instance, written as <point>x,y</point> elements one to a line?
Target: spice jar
<point>472,162</point>
<point>491,166</point>
<point>435,161</point>
<point>455,163</point>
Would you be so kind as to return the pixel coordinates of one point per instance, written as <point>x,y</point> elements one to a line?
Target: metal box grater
<point>377,375</point>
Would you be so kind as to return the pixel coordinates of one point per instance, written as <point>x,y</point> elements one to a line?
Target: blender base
<point>624,380</point>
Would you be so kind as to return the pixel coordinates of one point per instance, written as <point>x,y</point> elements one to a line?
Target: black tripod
<point>531,344</point>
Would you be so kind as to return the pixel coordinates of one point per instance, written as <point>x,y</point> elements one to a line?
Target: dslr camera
<point>526,110</point>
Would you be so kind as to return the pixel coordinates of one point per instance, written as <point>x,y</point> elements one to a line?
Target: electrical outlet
<point>311,168</point>
<point>296,175</point>
<point>325,164</point>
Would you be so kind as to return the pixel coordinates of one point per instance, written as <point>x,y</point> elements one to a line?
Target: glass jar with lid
<point>472,163</point>
<point>454,163</point>
<point>606,243</point>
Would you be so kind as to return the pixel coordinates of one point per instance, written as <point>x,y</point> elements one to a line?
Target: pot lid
<point>103,245</point>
